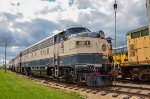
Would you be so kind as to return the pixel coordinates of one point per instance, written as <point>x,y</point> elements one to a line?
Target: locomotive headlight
<point>102,34</point>
<point>83,43</point>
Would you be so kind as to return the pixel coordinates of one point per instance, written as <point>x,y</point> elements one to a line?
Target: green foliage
<point>15,87</point>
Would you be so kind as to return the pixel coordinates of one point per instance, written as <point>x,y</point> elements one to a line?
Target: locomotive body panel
<point>69,49</point>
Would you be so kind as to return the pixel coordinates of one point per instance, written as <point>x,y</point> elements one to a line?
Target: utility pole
<point>115,9</point>
<point>5,56</point>
<point>3,63</point>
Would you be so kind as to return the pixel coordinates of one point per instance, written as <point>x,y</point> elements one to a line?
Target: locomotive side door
<point>56,55</point>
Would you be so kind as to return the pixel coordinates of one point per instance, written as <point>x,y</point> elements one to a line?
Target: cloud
<point>83,4</point>
<point>31,23</point>
<point>23,34</point>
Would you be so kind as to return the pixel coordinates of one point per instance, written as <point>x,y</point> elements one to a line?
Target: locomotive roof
<point>136,30</point>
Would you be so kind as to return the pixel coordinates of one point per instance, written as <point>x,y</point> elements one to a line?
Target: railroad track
<point>126,90</point>
<point>132,81</point>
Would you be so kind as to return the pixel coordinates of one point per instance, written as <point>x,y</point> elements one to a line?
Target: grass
<point>15,87</point>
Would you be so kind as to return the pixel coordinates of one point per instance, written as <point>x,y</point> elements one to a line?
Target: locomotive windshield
<point>86,34</point>
<point>81,32</point>
<point>69,33</point>
<point>77,30</point>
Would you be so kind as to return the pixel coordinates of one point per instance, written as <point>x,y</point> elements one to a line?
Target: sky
<point>25,22</point>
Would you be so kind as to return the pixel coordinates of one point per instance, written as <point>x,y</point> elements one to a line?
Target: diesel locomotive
<point>74,55</point>
<point>134,59</point>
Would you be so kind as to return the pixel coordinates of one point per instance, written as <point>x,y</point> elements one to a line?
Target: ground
<point>16,87</point>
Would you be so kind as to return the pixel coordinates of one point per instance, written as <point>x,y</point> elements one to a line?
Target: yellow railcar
<point>138,46</point>
<point>120,56</point>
